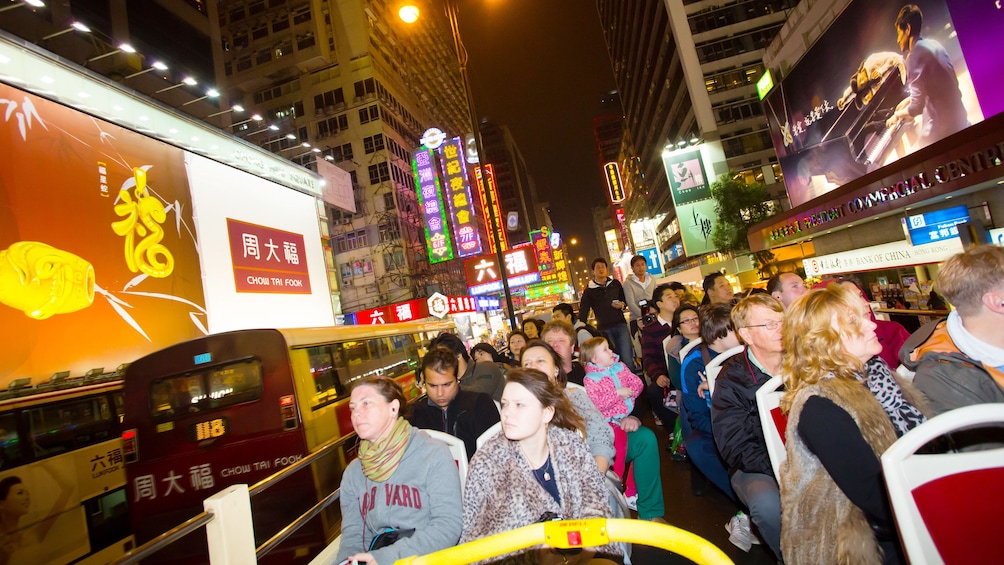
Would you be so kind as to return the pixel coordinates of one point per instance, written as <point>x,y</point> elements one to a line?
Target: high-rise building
<point>516,190</point>
<point>360,87</point>
<point>686,71</point>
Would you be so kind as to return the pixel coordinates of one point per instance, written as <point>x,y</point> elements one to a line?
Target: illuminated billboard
<point>494,231</point>
<point>613,174</point>
<point>485,276</point>
<point>458,195</point>
<point>690,172</point>
<point>869,93</point>
<point>437,240</point>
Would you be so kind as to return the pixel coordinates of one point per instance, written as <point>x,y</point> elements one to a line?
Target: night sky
<point>540,67</point>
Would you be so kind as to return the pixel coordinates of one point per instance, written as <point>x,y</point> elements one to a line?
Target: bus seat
<point>457,449</point>
<point>773,421</point>
<point>946,504</point>
<point>489,434</point>
<point>715,365</point>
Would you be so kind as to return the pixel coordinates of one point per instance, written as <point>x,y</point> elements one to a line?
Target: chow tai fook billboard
<point>484,275</point>
<point>437,237</point>
<point>458,195</point>
<point>114,245</point>
<point>866,94</point>
<point>690,172</point>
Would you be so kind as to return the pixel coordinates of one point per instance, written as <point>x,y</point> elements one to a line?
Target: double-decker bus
<point>236,407</point>
<point>62,479</point>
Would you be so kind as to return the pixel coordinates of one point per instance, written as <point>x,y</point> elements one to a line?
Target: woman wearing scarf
<point>845,408</point>
<point>403,483</point>
<point>538,469</point>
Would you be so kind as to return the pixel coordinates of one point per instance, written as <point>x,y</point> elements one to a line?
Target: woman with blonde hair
<point>539,468</point>
<point>845,407</point>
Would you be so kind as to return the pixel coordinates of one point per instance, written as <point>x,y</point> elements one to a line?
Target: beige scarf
<point>381,457</point>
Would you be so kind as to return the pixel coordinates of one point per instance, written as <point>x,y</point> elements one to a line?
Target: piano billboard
<point>885,79</point>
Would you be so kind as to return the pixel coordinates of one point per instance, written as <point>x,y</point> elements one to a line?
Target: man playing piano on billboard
<point>931,77</point>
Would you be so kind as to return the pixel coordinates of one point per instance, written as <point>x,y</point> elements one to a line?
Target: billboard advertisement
<point>263,265</point>
<point>691,171</point>
<point>883,81</point>
<point>99,262</point>
<point>437,240</point>
<point>458,195</point>
<point>485,276</point>
<point>496,230</point>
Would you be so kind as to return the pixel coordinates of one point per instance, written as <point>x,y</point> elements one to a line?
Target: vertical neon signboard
<point>458,195</point>
<point>429,200</point>
<point>496,230</point>
<point>541,242</point>
<point>613,174</point>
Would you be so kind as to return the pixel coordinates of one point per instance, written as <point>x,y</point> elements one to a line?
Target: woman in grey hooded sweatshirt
<point>403,482</point>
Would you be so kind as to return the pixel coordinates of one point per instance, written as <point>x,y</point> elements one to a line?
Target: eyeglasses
<point>770,326</point>
<point>689,320</point>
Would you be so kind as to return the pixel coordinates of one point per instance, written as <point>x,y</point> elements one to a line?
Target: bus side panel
<point>175,473</point>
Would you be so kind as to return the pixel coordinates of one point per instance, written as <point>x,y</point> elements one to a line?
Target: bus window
<point>214,387</point>
<point>107,518</point>
<point>322,367</point>
<point>10,443</point>
<point>70,425</point>
<point>235,383</point>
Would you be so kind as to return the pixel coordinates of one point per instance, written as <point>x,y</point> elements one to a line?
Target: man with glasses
<point>735,422</point>
<point>461,413</point>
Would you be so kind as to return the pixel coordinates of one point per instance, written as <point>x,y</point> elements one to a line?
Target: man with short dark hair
<point>638,286</point>
<point>563,313</point>
<point>786,287</point>
<point>932,81</point>
<point>653,353</point>
<point>474,376</point>
<point>604,296</point>
<point>448,408</point>
<point>717,289</point>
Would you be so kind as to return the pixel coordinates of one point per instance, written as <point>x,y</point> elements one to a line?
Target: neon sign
<point>458,195</point>
<point>613,174</point>
<point>496,229</point>
<point>437,240</point>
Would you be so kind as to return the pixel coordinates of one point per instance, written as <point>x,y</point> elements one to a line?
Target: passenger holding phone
<point>638,288</point>
<point>401,496</point>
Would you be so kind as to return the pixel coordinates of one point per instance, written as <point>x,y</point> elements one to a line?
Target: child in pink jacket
<point>613,389</point>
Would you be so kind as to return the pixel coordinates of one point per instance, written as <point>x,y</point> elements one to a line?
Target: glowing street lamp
<point>32,3</point>
<point>74,26</point>
<point>187,81</point>
<point>211,93</point>
<point>156,66</point>
<point>123,48</point>
<point>236,108</point>
<point>409,13</point>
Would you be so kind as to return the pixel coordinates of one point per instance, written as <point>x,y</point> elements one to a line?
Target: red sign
<point>401,312</point>
<point>462,304</point>
<point>267,260</point>
<point>485,269</point>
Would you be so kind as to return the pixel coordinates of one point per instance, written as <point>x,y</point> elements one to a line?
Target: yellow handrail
<point>579,533</point>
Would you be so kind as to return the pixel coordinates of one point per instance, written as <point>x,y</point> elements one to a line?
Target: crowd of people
<point>570,401</point>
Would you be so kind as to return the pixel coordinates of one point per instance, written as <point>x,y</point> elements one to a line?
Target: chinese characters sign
<point>613,174</point>
<point>409,311</point>
<point>494,230</point>
<point>436,238</point>
<point>485,276</point>
<point>267,260</point>
<point>458,195</point>
<point>690,185</point>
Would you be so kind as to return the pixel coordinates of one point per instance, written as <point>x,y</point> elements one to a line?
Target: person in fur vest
<point>539,468</point>
<point>845,407</point>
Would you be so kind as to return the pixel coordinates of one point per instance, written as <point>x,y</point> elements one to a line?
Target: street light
<point>236,108</point>
<point>185,81</point>
<point>74,26</point>
<point>123,48</point>
<point>32,3</point>
<point>253,118</point>
<point>156,66</point>
<point>409,13</point>
<point>211,93</point>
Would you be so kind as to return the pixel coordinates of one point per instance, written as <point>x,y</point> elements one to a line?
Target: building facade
<point>686,71</point>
